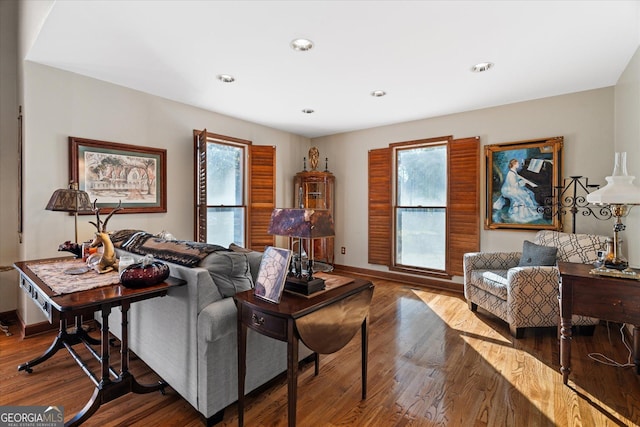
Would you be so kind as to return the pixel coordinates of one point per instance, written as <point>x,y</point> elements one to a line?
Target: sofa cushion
<point>536,255</point>
<point>491,281</point>
<point>183,252</point>
<point>580,248</point>
<point>254,258</point>
<point>229,271</point>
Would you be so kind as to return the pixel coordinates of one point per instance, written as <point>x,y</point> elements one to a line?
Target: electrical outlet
<point>343,250</point>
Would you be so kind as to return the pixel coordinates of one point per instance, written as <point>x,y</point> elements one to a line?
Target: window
<point>420,212</point>
<point>424,205</point>
<point>235,191</point>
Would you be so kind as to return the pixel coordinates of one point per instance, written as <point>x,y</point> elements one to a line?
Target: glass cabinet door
<point>314,190</point>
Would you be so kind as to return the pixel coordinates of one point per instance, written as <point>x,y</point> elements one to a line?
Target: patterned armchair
<point>526,297</point>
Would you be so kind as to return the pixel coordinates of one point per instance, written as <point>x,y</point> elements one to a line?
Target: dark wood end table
<point>603,297</point>
<point>71,307</point>
<point>310,319</point>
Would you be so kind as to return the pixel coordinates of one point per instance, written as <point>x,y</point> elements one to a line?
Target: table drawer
<point>37,297</point>
<point>267,324</point>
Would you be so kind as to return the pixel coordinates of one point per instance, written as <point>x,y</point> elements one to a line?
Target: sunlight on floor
<point>525,372</point>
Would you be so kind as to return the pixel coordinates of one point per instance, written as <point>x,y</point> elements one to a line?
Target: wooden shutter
<point>200,212</point>
<point>380,206</point>
<point>463,222</point>
<point>262,195</point>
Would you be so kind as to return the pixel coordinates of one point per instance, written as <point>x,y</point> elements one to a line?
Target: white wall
<point>8,153</point>
<point>585,120</point>
<point>59,104</point>
<point>627,131</point>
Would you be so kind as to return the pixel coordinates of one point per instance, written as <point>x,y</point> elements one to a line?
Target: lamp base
<point>303,285</point>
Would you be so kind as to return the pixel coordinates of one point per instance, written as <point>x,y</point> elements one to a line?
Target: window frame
<point>395,149</point>
<point>200,229</point>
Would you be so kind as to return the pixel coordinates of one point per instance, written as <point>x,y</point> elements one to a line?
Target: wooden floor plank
<point>431,362</point>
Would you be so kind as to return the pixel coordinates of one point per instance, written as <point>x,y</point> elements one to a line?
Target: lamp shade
<point>70,200</point>
<point>303,223</point>
<point>619,189</point>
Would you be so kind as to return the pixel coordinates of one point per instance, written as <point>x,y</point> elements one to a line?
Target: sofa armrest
<point>217,320</point>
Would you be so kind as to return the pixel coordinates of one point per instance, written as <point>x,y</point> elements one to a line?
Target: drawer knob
<point>257,320</point>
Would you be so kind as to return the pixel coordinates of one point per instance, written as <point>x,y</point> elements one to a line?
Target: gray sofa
<point>189,337</point>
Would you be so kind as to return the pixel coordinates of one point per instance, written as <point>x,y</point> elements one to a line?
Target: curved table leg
<point>57,344</point>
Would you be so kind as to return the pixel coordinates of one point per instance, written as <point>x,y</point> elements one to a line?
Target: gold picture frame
<point>521,181</point>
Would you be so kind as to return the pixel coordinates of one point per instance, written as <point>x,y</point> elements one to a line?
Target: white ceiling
<point>419,52</point>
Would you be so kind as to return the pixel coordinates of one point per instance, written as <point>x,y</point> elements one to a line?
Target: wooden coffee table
<point>69,308</point>
<point>310,319</point>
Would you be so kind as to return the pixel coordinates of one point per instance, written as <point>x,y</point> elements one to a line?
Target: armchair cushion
<point>493,282</point>
<point>537,255</point>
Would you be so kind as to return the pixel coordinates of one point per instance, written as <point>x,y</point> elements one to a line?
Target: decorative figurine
<point>108,259</point>
<point>314,154</point>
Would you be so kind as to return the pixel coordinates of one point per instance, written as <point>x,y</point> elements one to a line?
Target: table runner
<point>53,275</point>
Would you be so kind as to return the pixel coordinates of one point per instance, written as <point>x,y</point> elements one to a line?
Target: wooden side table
<point>591,295</point>
<point>312,320</point>
<point>71,307</point>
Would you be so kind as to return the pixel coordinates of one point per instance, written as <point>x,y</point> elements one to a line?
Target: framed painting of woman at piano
<point>521,178</point>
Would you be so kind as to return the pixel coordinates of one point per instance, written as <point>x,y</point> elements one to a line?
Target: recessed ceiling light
<point>378,93</point>
<point>308,110</point>
<point>301,45</point>
<point>482,67</point>
<point>226,78</point>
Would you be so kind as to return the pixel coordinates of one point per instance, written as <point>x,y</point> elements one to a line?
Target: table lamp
<point>619,195</point>
<point>70,200</point>
<point>302,224</point>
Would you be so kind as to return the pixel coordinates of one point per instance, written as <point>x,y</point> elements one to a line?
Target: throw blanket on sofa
<point>183,252</point>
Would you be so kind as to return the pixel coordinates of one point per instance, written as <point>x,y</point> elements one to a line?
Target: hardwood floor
<point>431,362</point>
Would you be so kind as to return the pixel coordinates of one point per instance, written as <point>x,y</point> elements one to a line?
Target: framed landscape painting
<point>521,181</point>
<point>110,172</point>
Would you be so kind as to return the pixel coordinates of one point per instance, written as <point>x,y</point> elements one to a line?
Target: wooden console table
<point>325,323</point>
<point>603,297</point>
<point>71,307</point>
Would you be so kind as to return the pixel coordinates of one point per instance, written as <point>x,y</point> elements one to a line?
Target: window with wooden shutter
<point>262,195</point>
<point>233,201</point>
<point>398,218</point>
<point>464,202</point>
<point>380,206</point>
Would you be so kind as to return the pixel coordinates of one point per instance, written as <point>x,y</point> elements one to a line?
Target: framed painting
<point>521,181</point>
<point>111,172</point>
<point>272,274</point>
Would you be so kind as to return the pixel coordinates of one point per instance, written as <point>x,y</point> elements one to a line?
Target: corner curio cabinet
<point>315,190</point>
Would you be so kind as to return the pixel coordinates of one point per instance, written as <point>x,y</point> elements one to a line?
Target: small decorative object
<point>69,246</point>
<point>108,257</point>
<point>124,262</point>
<point>272,274</point>
<point>314,154</point>
<point>147,272</point>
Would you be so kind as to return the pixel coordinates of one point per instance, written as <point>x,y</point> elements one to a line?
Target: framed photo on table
<point>272,274</point>
<point>521,181</point>
<point>111,172</point>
